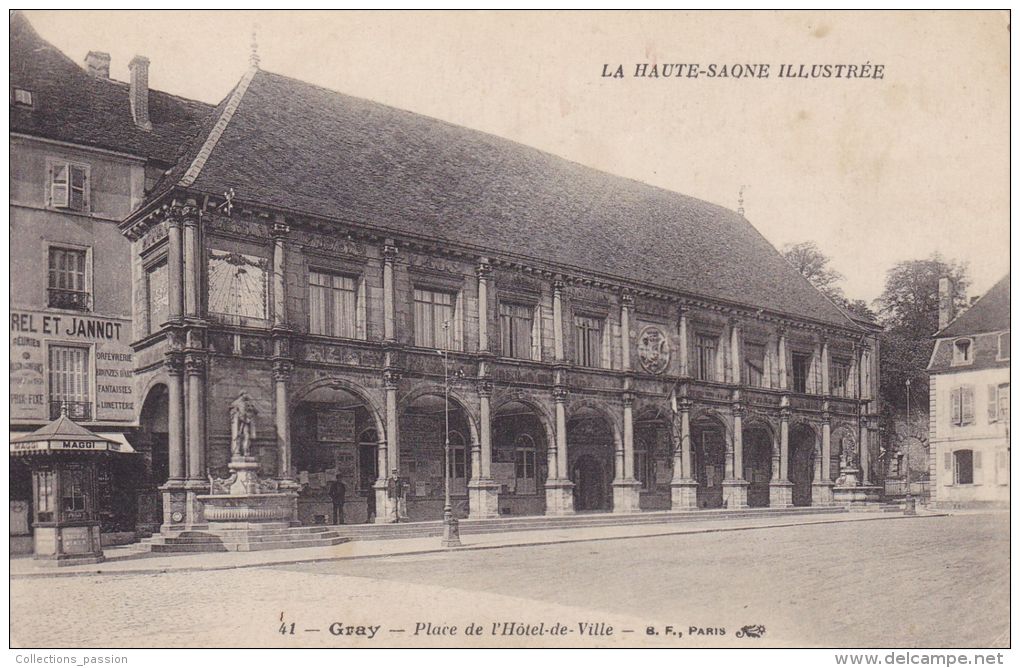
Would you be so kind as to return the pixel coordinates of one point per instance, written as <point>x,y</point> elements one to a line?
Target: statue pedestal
<point>849,491</point>
<point>244,500</point>
<point>245,475</point>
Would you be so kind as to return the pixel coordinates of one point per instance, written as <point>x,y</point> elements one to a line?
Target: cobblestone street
<point>925,582</point>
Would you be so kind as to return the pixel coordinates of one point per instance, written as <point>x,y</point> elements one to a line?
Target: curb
<point>463,548</point>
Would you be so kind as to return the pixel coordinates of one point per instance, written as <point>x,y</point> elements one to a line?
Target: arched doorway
<point>590,448</point>
<point>423,453</point>
<point>334,438</point>
<point>153,442</point>
<point>520,458</point>
<point>758,448</point>
<point>653,459</point>
<point>802,462</point>
<point>708,447</point>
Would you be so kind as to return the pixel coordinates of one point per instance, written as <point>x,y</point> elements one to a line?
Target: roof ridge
<point>217,130</point>
<point>938,334</point>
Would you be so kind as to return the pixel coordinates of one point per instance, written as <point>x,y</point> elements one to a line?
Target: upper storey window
<point>518,331</point>
<point>67,285</point>
<point>1003,346</point>
<point>963,351</point>
<point>705,349</point>
<point>801,371</point>
<point>434,324</point>
<point>332,305</point>
<point>22,97</point>
<point>754,364</point>
<point>68,186</point>
<point>588,340</point>
<point>839,377</point>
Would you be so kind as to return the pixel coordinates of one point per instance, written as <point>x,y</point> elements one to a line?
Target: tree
<point>813,264</point>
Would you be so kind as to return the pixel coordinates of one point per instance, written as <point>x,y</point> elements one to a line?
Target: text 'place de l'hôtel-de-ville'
<point>607,345</point>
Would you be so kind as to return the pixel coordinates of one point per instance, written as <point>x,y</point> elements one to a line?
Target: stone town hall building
<point>611,345</point>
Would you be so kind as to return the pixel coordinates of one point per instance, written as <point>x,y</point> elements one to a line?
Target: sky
<point>875,171</point>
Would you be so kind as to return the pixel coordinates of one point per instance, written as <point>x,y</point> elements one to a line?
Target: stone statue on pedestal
<point>242,425</point>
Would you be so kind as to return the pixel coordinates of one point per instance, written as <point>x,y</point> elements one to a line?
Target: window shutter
<point>949,461</point>
<point>993,403</point>
<point>977,459</point>
<point>58,184</point>
<point>967,404</point>
<point>954,400</point>
<point>77,197</point>
<point>536,334</point>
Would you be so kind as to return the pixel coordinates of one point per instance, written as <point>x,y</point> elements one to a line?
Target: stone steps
<point>242,540</point>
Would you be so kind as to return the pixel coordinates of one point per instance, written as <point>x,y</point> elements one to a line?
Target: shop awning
<point>65,435</point>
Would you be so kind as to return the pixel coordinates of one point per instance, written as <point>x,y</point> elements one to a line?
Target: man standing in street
<point>338,492</point>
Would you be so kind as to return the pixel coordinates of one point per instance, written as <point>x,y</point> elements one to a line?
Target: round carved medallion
<point>177,516</point>
<point>653,349</point>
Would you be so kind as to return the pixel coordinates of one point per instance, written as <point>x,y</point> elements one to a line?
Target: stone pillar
<point>684,345</point>
<point>865,456</point>
<point>736,356</point>
<point>483,271</point>
<point>684,488</point>
<point>281,379</point>
<point>192,260</point>
<point>559,491</point>
<point>279,233</point>
<point>821,488</point>
<point>390,453</point>
<point>483,491</point>
<point>174,497</point>
<point>626,302</point>
<point>389,254</point>
<point>780,488</point>
<point>784,381</point>
<point>826,388</point>
<point>626,490</point>
<point>174,267</point>
<point>558,286</point>
<point>194,366</point>
<point>735,487</point>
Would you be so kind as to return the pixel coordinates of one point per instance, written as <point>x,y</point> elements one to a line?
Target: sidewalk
<point>127,560</point>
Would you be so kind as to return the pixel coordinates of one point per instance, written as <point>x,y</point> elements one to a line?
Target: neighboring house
<point>83,150</point>
<point>612,345</point>
<point>969,402</point>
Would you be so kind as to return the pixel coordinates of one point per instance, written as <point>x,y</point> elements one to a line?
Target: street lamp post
<point>451,529</point>
<point>909,507</point>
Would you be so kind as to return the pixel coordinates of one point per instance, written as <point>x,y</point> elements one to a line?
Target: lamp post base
<point>451,529</point>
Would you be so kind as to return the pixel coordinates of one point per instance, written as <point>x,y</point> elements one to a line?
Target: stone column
<point>281,379</point>
<point>559,496</point>
<point>174,500</point>
<point>483,491</point>
<point>483,271</point>
<point>174,267</point>
<point>684,345</point>
<point>626,303</point>
<point>389,454</point>
<point>780,488</point>
<point>626,490</point>
<point>684,488</point>
<point>735,487</point>
<point>826,388</point>
<point>389,255</point>
<point>279,233</point>
<point>826,448</point>
<point>194,366</point>
<point>558,286</point>
<point>864,454</point>
<point>821,488</point>
<point>736,356</point>
<point>784,381</point>
<point>192,259</point>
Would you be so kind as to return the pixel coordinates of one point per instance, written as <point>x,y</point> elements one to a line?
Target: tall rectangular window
<point>67,284</point>
<point>705,347</point>
<point>332,305</point>
<point>839,377</point>
<point>157,295</point>
<point>801,371</point>
<point>69,186</point>
<point>754,364</point>
<point>524,465</point>
<point>516,324</point>
<point>588,341</point>
<point>963,468</point>
<point>431,310</point>
<point>69,382</point>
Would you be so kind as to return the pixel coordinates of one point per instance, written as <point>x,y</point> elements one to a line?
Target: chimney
<point>139,92</point>
<point>946,309</point>
<point>98,64</point>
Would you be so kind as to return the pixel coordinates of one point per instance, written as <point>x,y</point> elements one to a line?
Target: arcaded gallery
<point>351,286</point>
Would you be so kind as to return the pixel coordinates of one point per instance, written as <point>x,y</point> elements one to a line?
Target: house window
<point>801,371</point>
<point>69,382</point>
<point>961,400</point>
<point>45,496</point>
<point>73,492</point>
<point>67,283</point>
<point>963,467</point>
<point>157,295</point>
<point>998,403</point>
<point>1003,346</point>
<point>332,305</point>
<point>962,353</point>
<point>839,377</point>
<point>69,186</point>
<point>516,330</point>
<point>704,356</point>
<point>754,364</point>
<point>23,97</point>
<point>588,341</point>
<point>524,465</point>
<point>433,310</point>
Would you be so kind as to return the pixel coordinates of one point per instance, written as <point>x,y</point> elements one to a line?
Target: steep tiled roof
<point>988,314</point>
<point>72,106</point>
<point>298,147</point>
